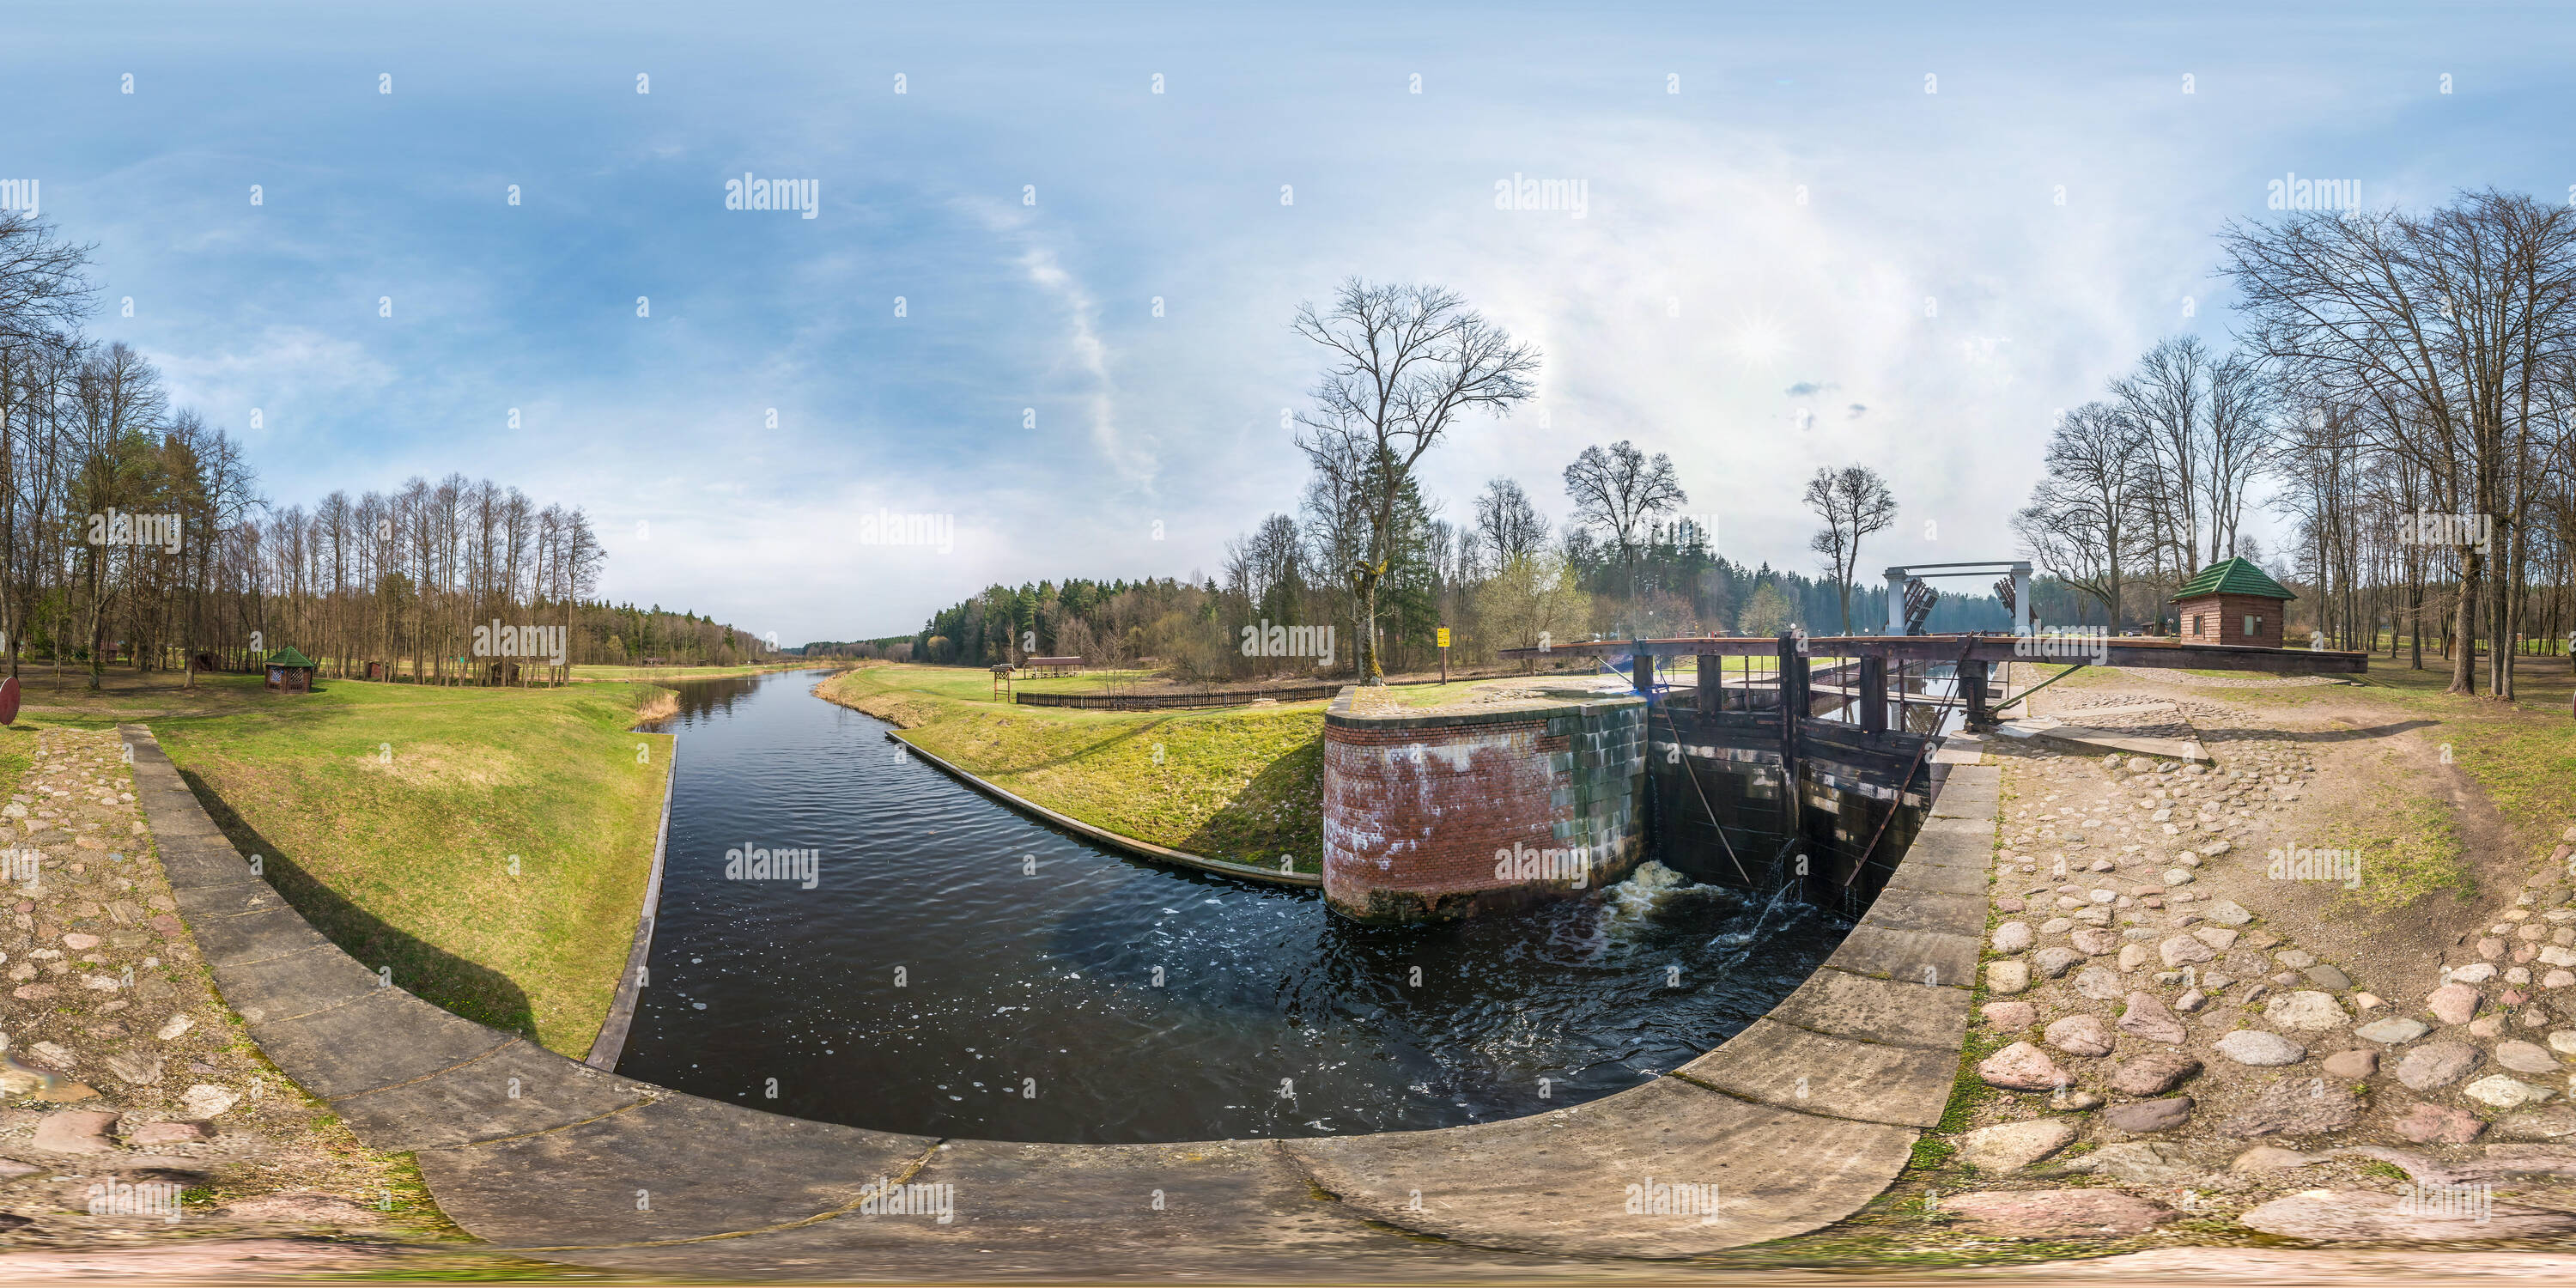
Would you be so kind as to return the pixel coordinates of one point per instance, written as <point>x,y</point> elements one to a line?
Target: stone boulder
<point>76,1131</point>
<point>2010,1147</point>
<point>2147,1017</point>
<point>2101,983</point>
<point>2437,1064</point>
<point>2453,1003</point>
<point>2022,1067</point>
<point>2394,1030</point>
<point>2084,1035</point>
<point>2153,1074</point>
<point>2260,1049</point>
<point>2056,1214</point>
<point>2306,1010</point>
<point>2143,1117</point>
<point>2525,1057</point>
<point>2183,950</point>
<point>2054,962</point>
<point>2505,1093</point>
<point>2437,1125</point>
<point>2295,1107</point>
<point>2366,1216</point>
<point>2010,1015</point>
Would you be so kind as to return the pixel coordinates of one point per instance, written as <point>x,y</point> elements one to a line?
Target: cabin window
<point>2253,627</point>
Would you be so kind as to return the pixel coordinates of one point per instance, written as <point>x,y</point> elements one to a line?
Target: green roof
<point>288,657</point>
<point>2232,577</point>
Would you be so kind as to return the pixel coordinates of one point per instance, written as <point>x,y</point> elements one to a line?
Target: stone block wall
<point>1418,805</point>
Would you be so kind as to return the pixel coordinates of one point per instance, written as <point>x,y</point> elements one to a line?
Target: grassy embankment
<point>389,815</point>
<point>1241,784</point>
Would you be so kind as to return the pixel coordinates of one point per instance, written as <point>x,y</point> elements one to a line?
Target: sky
<point>1055,249</point>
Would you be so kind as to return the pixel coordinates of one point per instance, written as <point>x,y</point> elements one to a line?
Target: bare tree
<point>2086,514</point>
<point>1507,525</point>
<point>2450,322</point>
<point>1406,361</point>
<point>1854,502</point>
<point>1622,491</point>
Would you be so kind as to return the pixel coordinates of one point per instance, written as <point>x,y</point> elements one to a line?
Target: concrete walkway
<point>1797,1122</point>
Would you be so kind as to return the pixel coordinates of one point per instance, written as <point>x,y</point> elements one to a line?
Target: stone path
<point>2172,1043</point>
<point>129,1069</point>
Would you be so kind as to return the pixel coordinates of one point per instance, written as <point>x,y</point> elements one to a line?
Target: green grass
<point>1239,784</point>
<point>2410,849</point>
<point>388,815</point>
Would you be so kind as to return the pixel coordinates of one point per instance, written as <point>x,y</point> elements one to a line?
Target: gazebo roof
<point>289,657</point>
<point>2232,577</point>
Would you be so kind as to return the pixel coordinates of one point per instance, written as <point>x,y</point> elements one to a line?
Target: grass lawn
<point>389,815</point>
<point>1242,784</point>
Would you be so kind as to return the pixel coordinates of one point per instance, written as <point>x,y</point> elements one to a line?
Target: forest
<point>133,533</point>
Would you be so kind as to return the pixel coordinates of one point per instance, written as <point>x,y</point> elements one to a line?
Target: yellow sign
<point>1444,637</point>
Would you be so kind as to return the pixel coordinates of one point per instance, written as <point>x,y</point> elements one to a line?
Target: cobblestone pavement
<point>126,1081</point>
<point>2164,1019</point>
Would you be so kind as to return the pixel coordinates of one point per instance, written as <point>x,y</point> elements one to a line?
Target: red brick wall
<point>1413,817</point>
<point>2220,619</point>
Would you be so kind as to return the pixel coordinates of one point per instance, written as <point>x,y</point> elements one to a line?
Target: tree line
<point>2401,387</point>
<point>1369,555</point>
<point>133,532</point>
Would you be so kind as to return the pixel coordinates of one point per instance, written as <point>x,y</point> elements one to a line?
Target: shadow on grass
<point>1280,811</point>
<point>431,973</point>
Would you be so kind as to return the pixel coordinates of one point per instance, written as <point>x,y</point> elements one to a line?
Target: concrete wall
<point>1418,804</point>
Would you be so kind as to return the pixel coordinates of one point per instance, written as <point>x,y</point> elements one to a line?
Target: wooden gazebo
<point>289,672</point>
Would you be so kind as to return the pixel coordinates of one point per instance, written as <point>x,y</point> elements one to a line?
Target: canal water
<point>955,969</point>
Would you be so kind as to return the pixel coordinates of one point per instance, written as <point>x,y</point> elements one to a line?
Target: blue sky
<point>1800,258</point>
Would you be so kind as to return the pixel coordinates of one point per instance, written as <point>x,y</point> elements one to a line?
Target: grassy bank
<point>1240,784</point>
<point>490,845</point>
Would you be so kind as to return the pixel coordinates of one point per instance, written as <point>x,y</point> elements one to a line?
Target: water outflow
<point>958,970</point>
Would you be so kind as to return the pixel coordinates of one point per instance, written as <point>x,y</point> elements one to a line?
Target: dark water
<point>1270,1018</point>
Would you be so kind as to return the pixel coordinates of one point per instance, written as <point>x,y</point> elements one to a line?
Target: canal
<point>947,967</point>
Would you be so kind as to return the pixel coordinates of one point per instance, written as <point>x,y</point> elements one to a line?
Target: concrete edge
<point>611,1041</point>
<point>1124,844</point>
